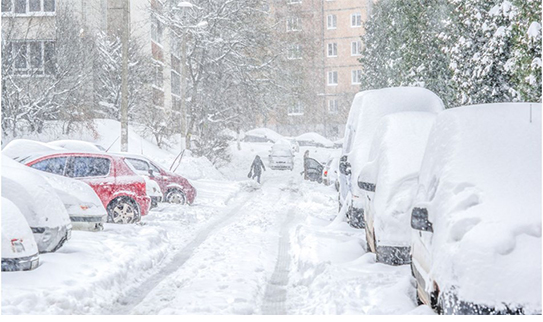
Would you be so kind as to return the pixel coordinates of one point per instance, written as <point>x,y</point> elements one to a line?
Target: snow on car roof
<point>395,158</point>
<point>481,183</point>
<point>264,132</point>
<point>76,145</point>
<point>315,137</point>
<point>33,195</point>
<point>376,104</point>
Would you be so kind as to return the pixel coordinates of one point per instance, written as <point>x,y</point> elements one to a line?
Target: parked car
<point>175,188</point>
<point>81,202</point>
<point>389,182</point>
<point>41,206</point>
<point>366,111</point>
<point>314,169</point>
<point>314,139</point>
<point>152,189</point>
<point>476,217</point>
<point>262,135</point>
<point>330,171</point>
<point>281,156</point>
<point>121,190</point>
<point>19,249</point>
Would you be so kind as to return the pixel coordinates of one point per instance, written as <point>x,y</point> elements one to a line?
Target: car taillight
<point>325,173</point>
<point>17,245</point>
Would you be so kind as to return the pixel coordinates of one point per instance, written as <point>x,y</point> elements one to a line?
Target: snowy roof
<point>481,183</point>
<point>315,138</point>
<point>395,158</point>
<point>376,104</point>
<point>76,145</point>
<point>264,133</point>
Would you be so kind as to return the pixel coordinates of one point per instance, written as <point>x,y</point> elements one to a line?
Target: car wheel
<point>123,211</point>
<point>176,196</point>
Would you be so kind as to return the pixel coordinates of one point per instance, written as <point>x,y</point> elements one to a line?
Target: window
<point>32,57</point>
<point>332,49</point>
<point>176,83</point>
<point>332,22</point>
<point>52,165</point>
<point>25,7</point>
<point>356,48</point>
<point>356,75</point>
<point>156,30</point>
<point>296,109</point>
<point>139,165</point>
<point>294,1</point>
<point>356,20</point>
<point>158,80</point>
<point>89,167</point>
<point>294,24</point>
<point>294,52</point>
<point>332,106</point>
<point>332,78</point>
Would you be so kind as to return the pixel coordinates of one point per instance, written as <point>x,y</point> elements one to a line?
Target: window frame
<point>45,67</point>
<point>333,46</point>
<point>12,4</point>
<point>333,73</point>
<point>296,109</point>
<point>359,17</point>
<point>358,45</point>
<point>335,109</point>
<point>356,72</point>
<point>333,19</point>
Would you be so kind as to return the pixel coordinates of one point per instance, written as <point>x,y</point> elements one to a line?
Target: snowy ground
<point>242,248</point>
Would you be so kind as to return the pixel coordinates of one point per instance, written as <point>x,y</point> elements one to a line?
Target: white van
<point>476,217</point>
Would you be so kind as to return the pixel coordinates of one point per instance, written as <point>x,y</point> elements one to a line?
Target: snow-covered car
<point>19,249</point>
<point>367,109</point>
<point>330,171</point>
<point>262,135</point>
<point>389,182</point>
<point>476,217</point>
<point>175,188</point>
<point>77,145</point>
<point>281,156</point>
<point>83,205</point>
<point>121,191</point>
<point>314,139</point>
<point>41,206</point>
<point>293,143</point>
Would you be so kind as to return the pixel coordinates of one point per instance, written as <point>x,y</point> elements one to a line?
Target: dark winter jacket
<point>257,166</point>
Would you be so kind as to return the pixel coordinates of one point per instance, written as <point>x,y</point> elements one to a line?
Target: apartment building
<point>335,27</point>
<point>29,27</point>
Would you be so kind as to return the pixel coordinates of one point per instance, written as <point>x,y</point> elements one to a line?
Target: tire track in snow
<point>136,295</point>
<point>275,295</point>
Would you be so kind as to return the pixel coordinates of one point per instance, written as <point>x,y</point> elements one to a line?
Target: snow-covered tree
<point>45,79</point>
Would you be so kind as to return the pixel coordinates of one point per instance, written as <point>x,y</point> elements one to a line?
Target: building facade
<point>334,29</point>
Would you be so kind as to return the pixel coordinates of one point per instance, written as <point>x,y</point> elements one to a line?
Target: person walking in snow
<point>256,168</point>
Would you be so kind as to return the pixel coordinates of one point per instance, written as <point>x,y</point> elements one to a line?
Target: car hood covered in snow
<point>481,183</point>
<point>264,133</point>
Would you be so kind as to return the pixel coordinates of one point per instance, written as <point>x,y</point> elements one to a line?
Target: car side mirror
<point>419,220</point>
<point>151,174</point>
<point>366,186</point>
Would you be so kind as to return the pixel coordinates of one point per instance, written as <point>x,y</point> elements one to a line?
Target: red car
<point>175,188</point>
<point>120,189</point>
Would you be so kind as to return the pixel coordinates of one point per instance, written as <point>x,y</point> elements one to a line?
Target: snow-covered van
<point>281,156</point>
<point>476,217</point>
<point>389,182</point>
<point>366,111</point>
<point>19,249</point>
<point>41,206</point>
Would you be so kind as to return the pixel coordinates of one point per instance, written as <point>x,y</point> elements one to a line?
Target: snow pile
<point>88,273</point>
<point>481,183</point>
<point>262,135</point>
<point>332,272</point>
<point>395,159</point>
<point>314,139</point>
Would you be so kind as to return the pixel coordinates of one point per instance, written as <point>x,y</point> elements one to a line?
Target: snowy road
<point>242,248</point>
